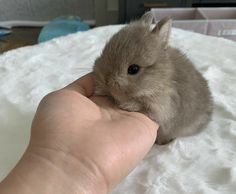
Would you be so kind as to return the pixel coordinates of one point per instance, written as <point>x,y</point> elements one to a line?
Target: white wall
<point>43,10</point>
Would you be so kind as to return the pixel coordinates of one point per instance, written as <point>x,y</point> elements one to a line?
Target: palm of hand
<point>90,131</point>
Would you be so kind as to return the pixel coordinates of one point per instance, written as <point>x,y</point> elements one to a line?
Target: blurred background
<point>22,21</point>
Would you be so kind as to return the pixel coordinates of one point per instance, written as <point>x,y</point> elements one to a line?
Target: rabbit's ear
<point>147,18</point>
<point>163,30</point>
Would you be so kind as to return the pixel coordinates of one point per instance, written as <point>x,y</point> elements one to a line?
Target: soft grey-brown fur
<point>167,88</point>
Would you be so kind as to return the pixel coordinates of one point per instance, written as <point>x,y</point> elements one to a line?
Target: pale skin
<point>80,144</point>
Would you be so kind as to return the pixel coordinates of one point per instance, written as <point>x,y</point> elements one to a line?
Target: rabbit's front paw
<point>163,138</point>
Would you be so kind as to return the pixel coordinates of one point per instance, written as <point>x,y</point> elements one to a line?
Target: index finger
<point>84,85</point>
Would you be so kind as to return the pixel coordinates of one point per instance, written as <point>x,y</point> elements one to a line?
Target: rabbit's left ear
<point>163,30</point>
<point>147,18</point>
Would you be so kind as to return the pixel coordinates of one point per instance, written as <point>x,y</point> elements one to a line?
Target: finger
<point>149,124</point>
<point>84,85</point>
<point>133,135</point>
<point>136,141</point>
<point>141,128</point>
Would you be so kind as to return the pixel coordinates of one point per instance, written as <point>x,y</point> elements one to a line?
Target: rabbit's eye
<point>133,69</point>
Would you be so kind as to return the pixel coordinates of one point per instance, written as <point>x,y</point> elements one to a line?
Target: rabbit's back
<point>192,100</point>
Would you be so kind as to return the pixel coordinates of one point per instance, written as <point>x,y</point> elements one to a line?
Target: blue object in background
<point>62,26</point>
<point>4,32</point>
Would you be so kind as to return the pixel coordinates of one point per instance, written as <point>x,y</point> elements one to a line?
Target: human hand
<point>82,143</point>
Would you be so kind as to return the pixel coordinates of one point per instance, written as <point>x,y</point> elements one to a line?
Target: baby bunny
<point>141,72</point>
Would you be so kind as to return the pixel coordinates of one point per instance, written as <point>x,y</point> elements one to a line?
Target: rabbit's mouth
<point>119,94</point>
<point>125,100</point>
<point>130,105</point>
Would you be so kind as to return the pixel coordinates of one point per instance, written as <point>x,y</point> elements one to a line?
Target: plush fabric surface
<point>205,163</point>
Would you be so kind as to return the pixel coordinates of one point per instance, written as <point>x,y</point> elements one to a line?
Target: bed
<point>201,164</point>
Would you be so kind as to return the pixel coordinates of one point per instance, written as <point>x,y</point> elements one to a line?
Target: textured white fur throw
<point>205,163</point>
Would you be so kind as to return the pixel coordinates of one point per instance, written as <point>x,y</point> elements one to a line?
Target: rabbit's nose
<point>113,84</point>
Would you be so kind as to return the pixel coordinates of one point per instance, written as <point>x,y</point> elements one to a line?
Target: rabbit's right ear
<point>147,18</point>
<point>163,30</point>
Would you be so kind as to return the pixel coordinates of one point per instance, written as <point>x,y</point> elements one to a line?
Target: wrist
<point>43,170</point>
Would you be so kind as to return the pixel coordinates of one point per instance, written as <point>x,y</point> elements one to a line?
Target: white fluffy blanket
<point>205,163</point>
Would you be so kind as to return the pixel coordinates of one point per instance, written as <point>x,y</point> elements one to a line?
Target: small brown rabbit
<point>141,72</point>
